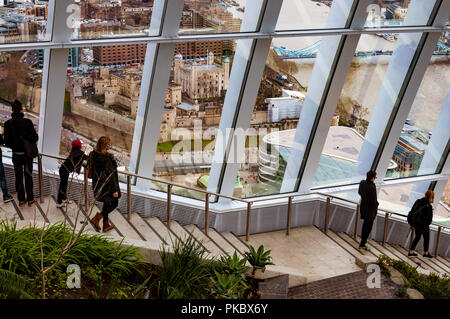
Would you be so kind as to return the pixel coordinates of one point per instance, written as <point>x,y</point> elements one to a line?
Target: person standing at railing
<point>424,217</point>
<point>368,207</point>
<point>16,131</point>
<point>6,196</point>
<point>72,163</point>
<point>105,181</point>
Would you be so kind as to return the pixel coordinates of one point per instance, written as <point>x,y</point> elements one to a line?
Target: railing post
<point>206,213</point>
<point>129,197</point>
<point>412,237</point>
<point>86,197</point>
<point>436,249</point>
<point>41,185</point>
<point>247,234</point>
<point>356,221</point>
<point>327,215</point>
<point>288,225</point>
<point>386,219</point>
<point>169,199</point>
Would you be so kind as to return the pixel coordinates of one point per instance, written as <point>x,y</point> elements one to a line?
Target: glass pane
<point>303,14</point>
<point>212,16</point>
<point>418,129</point>
<point>23,21</point>
<point>337,165</point>
<point>111,18</point>
<point>102,99</point>
<point>21,79</point>
<point>275,116</point>
<point>192,113</point>
<point>442,212</point>
<point>391,13</point>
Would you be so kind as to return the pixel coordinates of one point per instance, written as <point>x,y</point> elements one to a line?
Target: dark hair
<point>370,175</point>
<point>16,106</point>
<point>429,195</point>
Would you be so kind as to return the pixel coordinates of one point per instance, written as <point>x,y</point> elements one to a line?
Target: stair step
<point>354,244</point>
<point>402,257</point>
<point>425,263</point>
<point>240,246</point>
<point>210,245</point>
<point>443,261</point>
<point>7,211</point>
<point>122,225</point>
<point>346,246</point>
<point>162,230</point>
<point>382,249</point>
<point>373,249</point>
<point>183,233</point>
<point>145,230</point>
<point>222,242</point>
<point>29,213</point>
<point>114,231</point>
<point>53,214</point>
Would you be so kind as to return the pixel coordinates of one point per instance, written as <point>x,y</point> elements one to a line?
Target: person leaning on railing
<point>105,181</point>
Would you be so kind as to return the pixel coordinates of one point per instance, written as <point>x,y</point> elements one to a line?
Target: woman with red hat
<point>72,163</point>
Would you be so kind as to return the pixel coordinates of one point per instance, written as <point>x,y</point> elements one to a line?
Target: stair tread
<point>183,233</point>
<point>222,242</point>
<point>144,229</point>
<point>443,261</point>
<point>206,242</point>
<point>425,263</point>
<point>242,248</point>
<point>340,241</point>
<point>373,249</point>
<point>8,211</point>
<point>54,214</point>
<point>29,213</point>
<point>353,243</point>
<point>402,257</point>
<point>162,230</point>
<point>382,249</point>
<point>122,225</point>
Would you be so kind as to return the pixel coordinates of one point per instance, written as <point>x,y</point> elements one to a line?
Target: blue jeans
<point>3,181</point>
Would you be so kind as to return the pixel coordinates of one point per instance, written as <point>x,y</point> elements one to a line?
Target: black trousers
<point>426,238</point>
<point>63,181</point>
<point>23,166</point>
<point>108,207</point>
<point>365,232</point>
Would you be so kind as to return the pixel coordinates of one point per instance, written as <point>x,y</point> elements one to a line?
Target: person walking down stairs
<point>4,186</point>
<point>17,131</point>
<point>423,218</point>
<point>72,163</point>
<point>105,181</point>
<point>368,208</point>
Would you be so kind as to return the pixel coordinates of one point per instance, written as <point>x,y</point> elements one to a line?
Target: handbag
<point>31,149</point>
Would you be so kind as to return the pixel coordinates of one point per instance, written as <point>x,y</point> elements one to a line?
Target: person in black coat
<point>72,163</point>
<point>16,130</point>
<point>105,181</point>
<point>422,223</point>
<point>368,207</point>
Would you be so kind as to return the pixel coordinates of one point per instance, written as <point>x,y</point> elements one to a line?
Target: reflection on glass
<point>303,14</point>
<point>388,14</point>
<point>193,107</point>
<point>101,98</point>
<point>442,212</point>
<point>23,21</point>
<point>112,18</point>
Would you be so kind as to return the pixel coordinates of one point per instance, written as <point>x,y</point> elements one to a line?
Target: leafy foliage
<point>430,286</point>
<point>228,286</point>
<point>12,285</point>
<point>259,259</point>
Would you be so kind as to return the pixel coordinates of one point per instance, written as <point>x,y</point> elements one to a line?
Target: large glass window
<point>276,113</point>
<point>23,21</point>
<point>112,18</point>
<point>442,212</point>
<point>337,165</point>
<point>418,129</point>
<point>193,108</point>
<point>101,98</point>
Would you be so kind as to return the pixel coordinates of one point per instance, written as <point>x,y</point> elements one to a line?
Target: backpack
<point>415,215</point>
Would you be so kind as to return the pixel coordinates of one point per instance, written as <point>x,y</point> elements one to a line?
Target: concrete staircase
<point>423,265</point>
<point>138,230</point>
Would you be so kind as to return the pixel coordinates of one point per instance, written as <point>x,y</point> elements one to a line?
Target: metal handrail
<point>248,203</point>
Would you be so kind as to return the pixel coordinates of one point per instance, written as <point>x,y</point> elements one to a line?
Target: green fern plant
<point>12,285</point>
<point>259,259</point>
<point>232,265</point>
<point>228,286</point>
